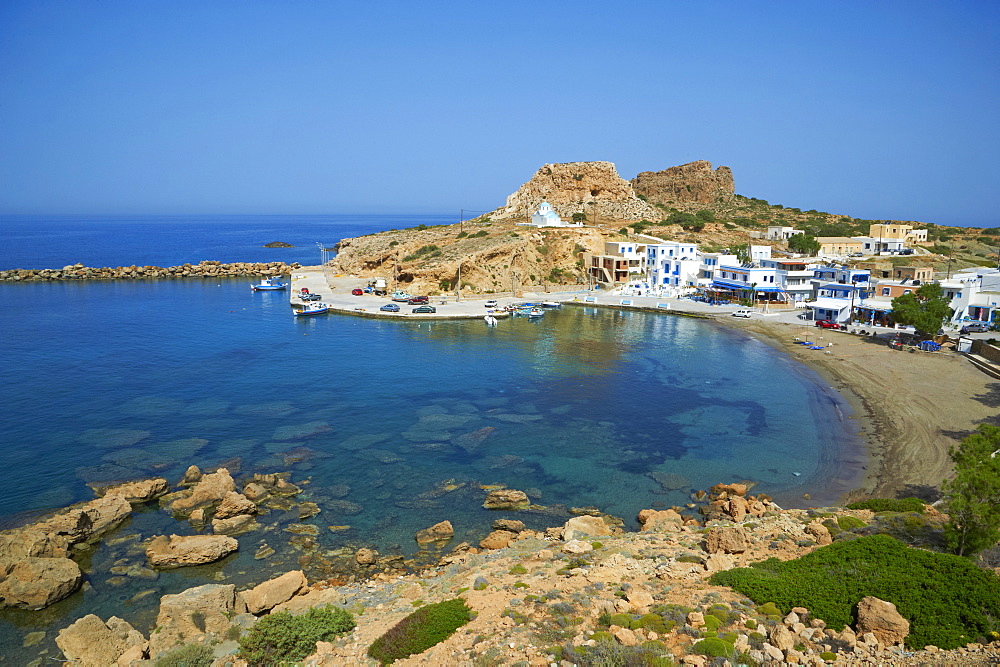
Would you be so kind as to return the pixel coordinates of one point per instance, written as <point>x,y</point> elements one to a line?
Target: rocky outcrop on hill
<point>694,182</point>
<point>206,269</point>
<point>592,188</point>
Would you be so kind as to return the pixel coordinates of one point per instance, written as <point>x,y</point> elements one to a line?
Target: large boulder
<point>240,523</point>
<point>235,504</point>
<point>140,491</point>
<point>664,521</point>
<point>211,489</point>
<point>199,613</point>
<point>882,620</point>
<point>176,551</point>
<point>35,583</point>
<point>267,595</point>
<point>498,539</point>
<point>90,642</point>
<point>726,540</point>
<point>581,527</point>
<point>439,532</point>
<point>506,499</point>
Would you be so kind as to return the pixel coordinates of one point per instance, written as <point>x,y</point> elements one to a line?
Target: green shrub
<point>420,630</point>
<point>602,636</point>
<point>622,620</point>
<point>653,622</point>
<point>948,601</point>
<point>282,636</point>
<point>889,505</point>
<point>518,569</point>
<point>828,656</point>
<point>189,655</point>
<point>713,647</point>
<point>712,623</point>
<point>751,624</point>
<point>850,523</point>
<point>769,609</point>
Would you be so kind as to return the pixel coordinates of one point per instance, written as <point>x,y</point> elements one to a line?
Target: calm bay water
<point>388,426</point>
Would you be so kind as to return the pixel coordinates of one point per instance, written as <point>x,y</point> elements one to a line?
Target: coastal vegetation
<point>277,638</point>
<point>948,601</point>
<point>424,628</point>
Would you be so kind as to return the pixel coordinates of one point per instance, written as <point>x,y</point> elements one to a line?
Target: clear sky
<point>870,109</point>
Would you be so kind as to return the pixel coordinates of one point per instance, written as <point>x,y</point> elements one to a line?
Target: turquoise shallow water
<point>619,410</point>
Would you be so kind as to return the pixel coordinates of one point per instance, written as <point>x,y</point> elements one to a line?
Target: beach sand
<point>911,406</point>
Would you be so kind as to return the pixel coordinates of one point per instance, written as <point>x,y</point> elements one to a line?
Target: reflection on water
<point>388,426</point>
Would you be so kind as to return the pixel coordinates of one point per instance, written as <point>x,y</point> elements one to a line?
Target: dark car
<point>357,291</point>
<point>975,327</point>
<point>310,297</point>
<point>390,308</point>
<point>827,324</point>
<point>419,300</point>
<point>424,309</point>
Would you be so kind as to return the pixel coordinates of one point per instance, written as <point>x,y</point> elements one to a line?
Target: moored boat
<point>269,285</point>
<point>312,309</point>
<point>551,304</point>
<point>536,312</point>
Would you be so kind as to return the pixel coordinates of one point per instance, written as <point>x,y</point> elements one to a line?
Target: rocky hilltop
<point>694,182</point>
<point>593,189</point>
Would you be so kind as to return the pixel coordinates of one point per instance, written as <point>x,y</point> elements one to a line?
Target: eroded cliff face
<point>592,188</point>
<point>694,182</point>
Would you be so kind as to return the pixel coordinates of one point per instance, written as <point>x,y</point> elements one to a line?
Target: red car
<point>827,324</point>
<point>418,300</point>
<point>357,291</point>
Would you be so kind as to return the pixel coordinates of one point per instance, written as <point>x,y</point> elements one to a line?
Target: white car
<point>492,303</point>
<point>743,312</point>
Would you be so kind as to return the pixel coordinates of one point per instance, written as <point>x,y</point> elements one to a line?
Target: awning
<point>829,304</point>
<point>725,284</point>
<point>880,307</point>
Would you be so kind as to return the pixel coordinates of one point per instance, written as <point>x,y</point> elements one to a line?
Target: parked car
<point>743,312</point>
<point>357,291</point>
<point>827,324</point>
<point>416,300</point>
<point>424,309</point>
<point>492,303</point>
<point>975,327</point>
<point>310,297</point>
<point>390,308</point>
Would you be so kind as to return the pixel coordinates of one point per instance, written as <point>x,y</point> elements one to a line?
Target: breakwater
<point>206,269</point>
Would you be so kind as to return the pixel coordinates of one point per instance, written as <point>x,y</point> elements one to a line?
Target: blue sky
<point>871,109</point>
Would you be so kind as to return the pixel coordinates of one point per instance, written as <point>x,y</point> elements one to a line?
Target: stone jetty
<point>206,269</point>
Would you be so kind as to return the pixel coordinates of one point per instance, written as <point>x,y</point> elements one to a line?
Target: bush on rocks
<point>189,655</point>
<point>424,628</point>
<point>948,601</point>
<point>281,637</point>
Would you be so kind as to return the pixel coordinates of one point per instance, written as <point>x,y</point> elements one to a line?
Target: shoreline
<point>910,407</point>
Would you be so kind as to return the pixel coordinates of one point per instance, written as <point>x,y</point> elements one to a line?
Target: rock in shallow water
<point>173,551</point>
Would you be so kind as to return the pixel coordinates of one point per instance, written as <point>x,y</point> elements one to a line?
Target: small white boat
<point>269,285</point>
<point>312,309</point>
<point>551,304</point>
<point>536,312</point>
<point>490,320</point>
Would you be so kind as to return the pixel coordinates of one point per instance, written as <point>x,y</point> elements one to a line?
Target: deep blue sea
<point>388,426</point>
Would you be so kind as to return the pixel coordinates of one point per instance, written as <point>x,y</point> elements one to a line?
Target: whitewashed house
<point>546,216</point>
<point>672,265</point>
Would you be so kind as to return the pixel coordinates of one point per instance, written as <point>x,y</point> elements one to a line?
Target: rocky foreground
<point>535,594</point>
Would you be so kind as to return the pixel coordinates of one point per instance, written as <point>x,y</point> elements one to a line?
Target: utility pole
<point>458,290</point>
<point>461,221</point>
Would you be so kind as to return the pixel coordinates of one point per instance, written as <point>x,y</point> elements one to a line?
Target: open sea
<point>388,426</point>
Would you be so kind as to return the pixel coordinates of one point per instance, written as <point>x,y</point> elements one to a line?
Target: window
<point>907,291</point>
<point>885,291</point>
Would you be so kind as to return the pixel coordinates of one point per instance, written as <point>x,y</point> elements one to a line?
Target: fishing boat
<point>490,320</point>
<point>269,285</point>
<point>312,309</point>
<point>551,304</point>
<point>536,312</point>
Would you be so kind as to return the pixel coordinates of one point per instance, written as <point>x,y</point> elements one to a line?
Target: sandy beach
<point>911,407</point>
